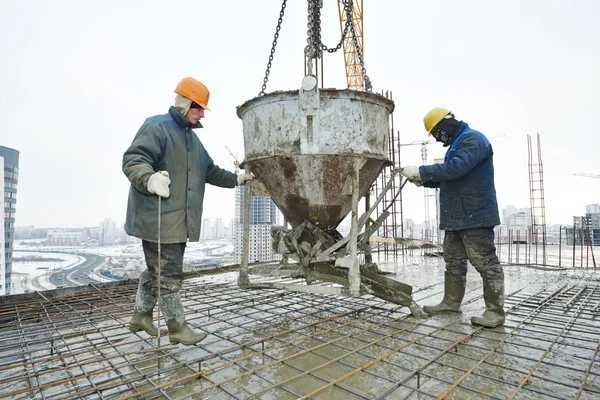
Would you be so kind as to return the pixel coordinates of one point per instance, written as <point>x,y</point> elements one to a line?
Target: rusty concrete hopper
<point>303,146</point>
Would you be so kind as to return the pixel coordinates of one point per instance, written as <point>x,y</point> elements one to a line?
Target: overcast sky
<point>79,78</point>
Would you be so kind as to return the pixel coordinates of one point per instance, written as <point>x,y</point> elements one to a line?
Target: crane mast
<point>353,48</point>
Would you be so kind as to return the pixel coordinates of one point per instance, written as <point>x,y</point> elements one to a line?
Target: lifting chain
<point>273,46</point>
<point>366,79</point>
<point>348,5</point>
<point>313,40</point>
<point>315,46</point>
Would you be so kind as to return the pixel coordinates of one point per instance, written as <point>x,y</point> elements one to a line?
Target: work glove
<point>244,177</point>
<point>158,183</point>
<point>411,173</point>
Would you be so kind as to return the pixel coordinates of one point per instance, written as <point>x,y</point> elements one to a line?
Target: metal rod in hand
<point>243,277</point>
<point>158,291</point>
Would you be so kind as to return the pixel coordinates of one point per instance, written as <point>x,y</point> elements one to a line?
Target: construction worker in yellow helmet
<point>166,159</point>
<point>468,213</point>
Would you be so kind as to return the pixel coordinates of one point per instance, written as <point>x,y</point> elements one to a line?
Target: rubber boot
<point>493,295</point>
<point>417,311</point>
<point>142,321</point>
<point>179,330</point>
<point>183,333</point>
<point>144,306</point>
<point>454,291</point>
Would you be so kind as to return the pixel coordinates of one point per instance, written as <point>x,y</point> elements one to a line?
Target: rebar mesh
<point>279,344</point>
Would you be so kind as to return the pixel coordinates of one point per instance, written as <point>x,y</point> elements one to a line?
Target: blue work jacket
<point>466,182</point>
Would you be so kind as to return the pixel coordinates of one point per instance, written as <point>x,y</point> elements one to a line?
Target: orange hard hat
<point>194,90</point>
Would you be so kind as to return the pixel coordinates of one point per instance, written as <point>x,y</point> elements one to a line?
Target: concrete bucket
<point>304,147</point>
<point>317,152</point>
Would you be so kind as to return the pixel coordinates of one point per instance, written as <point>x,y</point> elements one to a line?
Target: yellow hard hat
<point>433,117</point>
<point>194,90</point>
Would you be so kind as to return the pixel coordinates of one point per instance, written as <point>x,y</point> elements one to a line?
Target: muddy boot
<point>493,294</point>
<point>182,333</point>
<point>142,321</point>
<point>179,330</point>
<point>454,291</point>
<point>417,311</point>
<point>144,305</point>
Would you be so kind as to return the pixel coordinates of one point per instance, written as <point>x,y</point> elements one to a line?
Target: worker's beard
<point>445,131</point>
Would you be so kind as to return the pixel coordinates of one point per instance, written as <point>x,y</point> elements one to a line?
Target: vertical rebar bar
<point>243,276</point>
<point>581,247</point>
<point>517,243</point>
<point>510,246</point>
<point>499,243</point>
<point>368,257</point>
<point>158,288</point>
<point>560,228</point>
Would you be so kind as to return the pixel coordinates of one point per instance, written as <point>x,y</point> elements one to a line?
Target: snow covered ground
<point>121,260</point>
<point>195,251</point>
<point>33,274</point>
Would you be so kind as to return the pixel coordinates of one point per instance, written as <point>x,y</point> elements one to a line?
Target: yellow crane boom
<point>354,73</point>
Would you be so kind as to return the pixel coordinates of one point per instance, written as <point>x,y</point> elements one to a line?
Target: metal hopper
<point>317,152</point>
<point>304,146</point>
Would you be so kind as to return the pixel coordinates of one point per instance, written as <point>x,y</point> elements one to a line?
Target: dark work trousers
<point>171,274</point>
<point>171,266</point>
<point>475,245</point>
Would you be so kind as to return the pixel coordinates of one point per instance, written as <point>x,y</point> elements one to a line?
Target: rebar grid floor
<point>278,344</point>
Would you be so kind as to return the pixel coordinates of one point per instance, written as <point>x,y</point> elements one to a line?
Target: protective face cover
<point>445,130</point>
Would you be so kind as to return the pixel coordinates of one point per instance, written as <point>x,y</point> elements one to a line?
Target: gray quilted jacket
<point>167,142</point>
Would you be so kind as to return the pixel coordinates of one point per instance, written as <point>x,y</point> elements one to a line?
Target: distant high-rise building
<point>10,170</point>
<point>204,229</point>
<point>516,217</point>
<point>2,260</point>
<point>585,228</point>
<point>219,232</point>
<point>263,214</point>
<point>208,231</point>
<point>108,232</point>
<point>68,236</point>
<point>216,228</point>
<point>228,230</point>
<point>507,212</point>
<point>592,212</point>
<point>592,209</point>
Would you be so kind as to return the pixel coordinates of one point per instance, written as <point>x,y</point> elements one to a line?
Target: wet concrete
<point>277,344</point>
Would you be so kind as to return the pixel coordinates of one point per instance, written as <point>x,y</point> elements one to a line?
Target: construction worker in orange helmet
<point>167,159</point>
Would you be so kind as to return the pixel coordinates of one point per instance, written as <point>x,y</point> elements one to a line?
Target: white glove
<point>158,183</point>
<point>411,173</point>
<point>244,177</point>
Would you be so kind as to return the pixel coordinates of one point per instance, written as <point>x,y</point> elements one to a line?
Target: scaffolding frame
<point>393,225</point>
<point>536,200</point>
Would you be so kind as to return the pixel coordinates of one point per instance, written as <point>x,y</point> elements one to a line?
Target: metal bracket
<point>309,99</point>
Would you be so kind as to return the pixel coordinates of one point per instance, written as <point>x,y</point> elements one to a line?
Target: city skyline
<point>75,165</point>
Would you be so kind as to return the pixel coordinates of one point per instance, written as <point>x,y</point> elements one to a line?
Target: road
<point>82,274</point>
<point>79,275</point>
